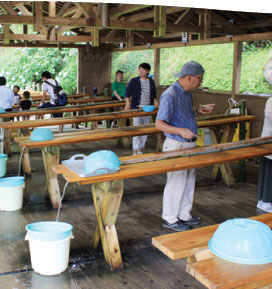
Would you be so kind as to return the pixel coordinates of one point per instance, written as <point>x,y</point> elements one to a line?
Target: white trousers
<point>179,190</point>
<point>138,142</point>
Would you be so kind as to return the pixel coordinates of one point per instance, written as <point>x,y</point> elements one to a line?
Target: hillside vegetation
<point>217,60</point>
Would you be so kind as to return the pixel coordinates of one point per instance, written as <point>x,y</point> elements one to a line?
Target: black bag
<point>60,96</point>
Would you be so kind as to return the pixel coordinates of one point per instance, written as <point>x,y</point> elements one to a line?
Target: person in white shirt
<point>6,95</point>
<point>47,88</point>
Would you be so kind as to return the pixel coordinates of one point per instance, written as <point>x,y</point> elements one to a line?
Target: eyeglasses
<point>199,77</point>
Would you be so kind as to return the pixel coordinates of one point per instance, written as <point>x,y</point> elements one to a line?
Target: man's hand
<point>127,106</point>
<point>186,133</point>
<point>205,108</point>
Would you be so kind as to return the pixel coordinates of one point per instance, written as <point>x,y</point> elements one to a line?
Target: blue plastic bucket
<point>11,182</point>
<point>3,164</point>
<point>49,231</point>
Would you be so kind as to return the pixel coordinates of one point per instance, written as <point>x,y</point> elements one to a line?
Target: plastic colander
<point>41,134</point>
<point>243,241</point>
<point>102,162</point>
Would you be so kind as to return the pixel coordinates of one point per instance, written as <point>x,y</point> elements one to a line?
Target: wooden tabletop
<point>162,166</point>
<point>76,101</point>
<point>76,119</point>
<point>38,97</point>
<point>61,109</point>
<point>98,135</point>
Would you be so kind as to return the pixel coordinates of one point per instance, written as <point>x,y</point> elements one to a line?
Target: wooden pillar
<point>237,63</point>
<point>157,66</point>
<point>207,24</point>
<point>107,198</point>
<point>156,20</point>
<point>130,38</point>
<point>6,33</point>
<point>201,24</point>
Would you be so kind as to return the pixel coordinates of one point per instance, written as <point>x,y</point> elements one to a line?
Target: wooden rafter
<point>150,14</point>
<point>86,8</point>
<point>222,21</point>
<point>52,9</point>
<point>125,8</point>
<point>7,8</point>
<point>23,10</point>
<point>63,9</point>
<point>188,13</point>
<point>38,17</point>
<point>255,23</point>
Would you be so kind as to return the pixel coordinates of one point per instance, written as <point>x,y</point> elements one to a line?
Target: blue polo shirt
<point>176,109</point>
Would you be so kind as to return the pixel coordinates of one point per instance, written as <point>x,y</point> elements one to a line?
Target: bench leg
<point>51,156</point>
<point>225,169</point>
<point>7,139</point>
<point>26,161</point>
<point>107,198</point>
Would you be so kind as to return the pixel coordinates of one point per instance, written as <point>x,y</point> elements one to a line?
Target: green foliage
<point>129,62</point>
<point>217,60</point>
<point>23,66</point>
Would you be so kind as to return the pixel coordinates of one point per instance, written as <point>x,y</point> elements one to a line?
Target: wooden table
<point>51,148</point>
<point>107,190</point>
<point>211,271</point>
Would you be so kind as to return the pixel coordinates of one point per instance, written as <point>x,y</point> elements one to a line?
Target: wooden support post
<point>156,20</point>
<point>39,18</point>
<point>237,63</point>
<point>130,38</point>
<point>95,34</point>
<point>6,33</point>
<point>157,66</point>
<point>107,198</point>
<point>201,24</point>
<point>207,24</point>
<point>224,168</point>
<point>242,136</point>
<point>162,21</point>
<point>51,156</point>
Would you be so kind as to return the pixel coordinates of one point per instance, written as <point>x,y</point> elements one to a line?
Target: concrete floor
<point>138,221</point>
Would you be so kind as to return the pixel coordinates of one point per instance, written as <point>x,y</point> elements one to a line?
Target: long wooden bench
<point>107,190</point>
<point>210,270</point>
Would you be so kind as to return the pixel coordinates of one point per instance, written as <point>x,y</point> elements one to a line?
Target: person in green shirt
<point>118,86</point>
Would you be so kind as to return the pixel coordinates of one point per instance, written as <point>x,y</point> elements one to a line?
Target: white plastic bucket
<point>49,244</point>
<point>11,198</point>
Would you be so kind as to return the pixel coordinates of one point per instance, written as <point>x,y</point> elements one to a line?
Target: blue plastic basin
<point>101,161</point>
<point>11,182</point>
<point>3,164</point>
<point>2,110</point>
<point>148,108</point>
<point>49,231</point>
<point>243,241</point>
<point>41,134</point>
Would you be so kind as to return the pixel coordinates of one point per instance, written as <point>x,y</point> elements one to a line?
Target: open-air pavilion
<point>97,30</point>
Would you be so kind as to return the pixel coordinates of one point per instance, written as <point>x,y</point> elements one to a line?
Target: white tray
<point>77,162</point>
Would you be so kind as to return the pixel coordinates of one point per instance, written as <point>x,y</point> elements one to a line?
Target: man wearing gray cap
<point>176,118</point>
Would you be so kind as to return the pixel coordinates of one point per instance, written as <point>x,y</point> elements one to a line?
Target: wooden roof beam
<point>150,14</point>
<point>63,9</point>
<point>255,23</point>
<point>222,21</point>
<point>125,8</point>
<point>86,8</point>
<point>7,8</point>
<point>188,13</point>
<point>23,9</point>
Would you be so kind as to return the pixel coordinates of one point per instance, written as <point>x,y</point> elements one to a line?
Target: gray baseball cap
<point>190,68</point>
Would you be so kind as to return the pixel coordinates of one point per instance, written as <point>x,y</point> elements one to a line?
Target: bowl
<point>41,134</point>
<point>11,182</point>
<point>148,108</point>
<point>102,162</point>
<point>2,110</point>
<point>242,241</point>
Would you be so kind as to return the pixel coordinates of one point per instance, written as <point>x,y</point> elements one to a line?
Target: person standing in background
<point>118,86</point>
<point>264,191</point>
<point>141,91</point>
<point>6,95</point>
